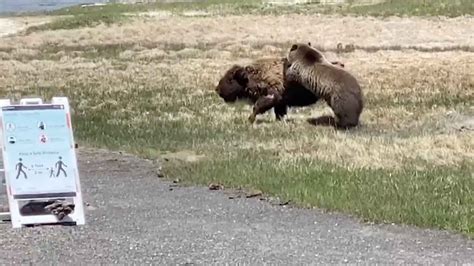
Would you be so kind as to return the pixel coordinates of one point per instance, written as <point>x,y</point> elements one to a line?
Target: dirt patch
<point>456,122</point>
<point>10,26</point>
<point>186,156</point>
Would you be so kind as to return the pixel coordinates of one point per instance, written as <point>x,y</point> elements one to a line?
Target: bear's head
<point>304,53</point>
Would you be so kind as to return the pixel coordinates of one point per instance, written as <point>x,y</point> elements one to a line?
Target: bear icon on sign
<point>43,139</point>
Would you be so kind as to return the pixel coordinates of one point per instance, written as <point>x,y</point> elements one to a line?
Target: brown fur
<point>262,84</point>
<point>310,68</point>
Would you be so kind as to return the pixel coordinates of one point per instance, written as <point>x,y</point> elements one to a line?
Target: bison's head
<point>231,86</point>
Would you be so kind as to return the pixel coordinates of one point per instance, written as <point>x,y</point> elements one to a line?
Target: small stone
<point>213,186</point>
<point>253,193</point>
<point>159,173</point>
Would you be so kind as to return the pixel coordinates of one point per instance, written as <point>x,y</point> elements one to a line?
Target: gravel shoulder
<point>135,217</point>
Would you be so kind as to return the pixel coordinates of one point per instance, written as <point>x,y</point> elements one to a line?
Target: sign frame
<point>14,202</point>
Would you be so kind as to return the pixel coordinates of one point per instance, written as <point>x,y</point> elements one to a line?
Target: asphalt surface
<point>134,218</point>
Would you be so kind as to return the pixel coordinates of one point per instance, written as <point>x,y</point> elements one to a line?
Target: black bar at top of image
<point>32,107</point>
<point>46,195</point>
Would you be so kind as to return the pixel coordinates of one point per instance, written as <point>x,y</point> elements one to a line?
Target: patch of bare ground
<point>13,25</point>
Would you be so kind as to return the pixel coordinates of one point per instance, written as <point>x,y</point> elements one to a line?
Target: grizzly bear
<point>341,91</point>
<point>261,83</point>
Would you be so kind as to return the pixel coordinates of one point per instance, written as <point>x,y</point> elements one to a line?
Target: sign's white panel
<point>38,149</point>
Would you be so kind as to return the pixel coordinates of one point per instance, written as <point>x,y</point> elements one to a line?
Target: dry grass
<point>153,79</point>
<point>409,96</point>
<point>256,31</point>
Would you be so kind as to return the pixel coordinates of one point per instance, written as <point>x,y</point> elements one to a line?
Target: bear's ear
<point>286,64</point>
<point>312,57</point>
<point>241,76</point>
<point>309,44</point>
<point>338,63</point>
<point>294,47</point>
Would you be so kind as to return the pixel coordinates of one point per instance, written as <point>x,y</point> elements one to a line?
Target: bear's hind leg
<point>347,109</point>
<point>346,121</point>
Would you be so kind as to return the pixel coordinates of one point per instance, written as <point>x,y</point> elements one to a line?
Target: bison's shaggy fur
<point>262,84</point>
<point>310,68</point>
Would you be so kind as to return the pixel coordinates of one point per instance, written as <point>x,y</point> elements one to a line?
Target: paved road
<point>135,218</point>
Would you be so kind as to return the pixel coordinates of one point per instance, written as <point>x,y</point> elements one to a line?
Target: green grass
<point>438,197</point>
<point>113,13</point>
<point>78,17</point>
<point>450,8</point>
<point>224,5</point>
<point>79,21</point>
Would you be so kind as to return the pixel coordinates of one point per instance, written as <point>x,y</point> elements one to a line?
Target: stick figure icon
<point>51,172</point>
<point>59,165</point>
<point>19,166</point>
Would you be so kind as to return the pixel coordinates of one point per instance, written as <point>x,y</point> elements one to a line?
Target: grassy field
<point>450,8</point>
<point>146,85</point>
<point>76,17</point>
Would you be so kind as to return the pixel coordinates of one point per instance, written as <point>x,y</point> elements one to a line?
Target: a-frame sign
<point>39,158</point>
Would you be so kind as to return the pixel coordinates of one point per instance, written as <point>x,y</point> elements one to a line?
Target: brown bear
<point>261,83</point>
<point>310,68</point>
